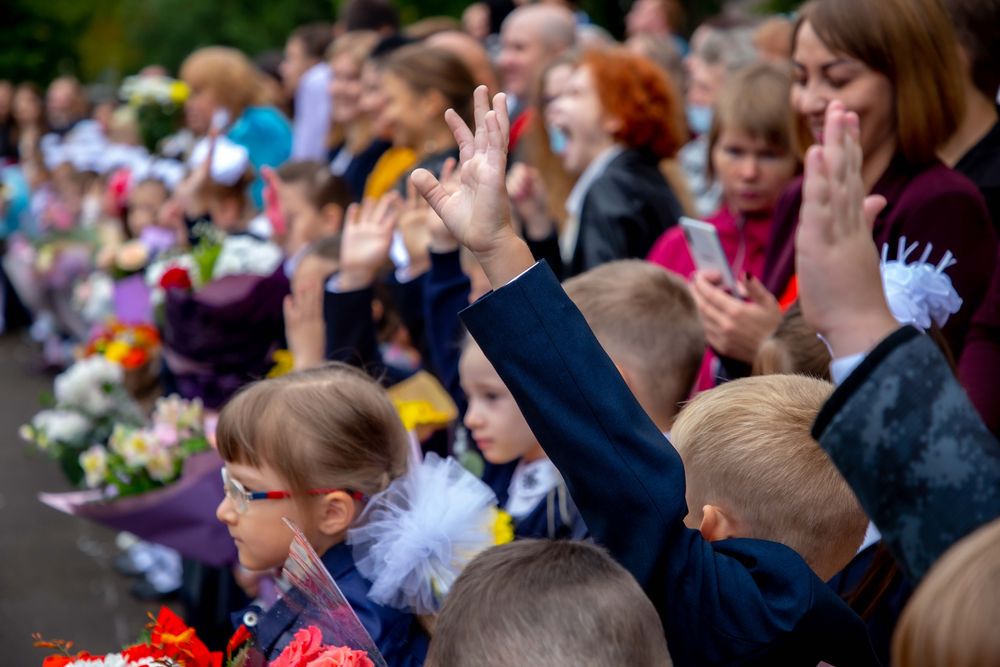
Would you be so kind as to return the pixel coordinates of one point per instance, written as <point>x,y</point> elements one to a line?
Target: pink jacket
<point>744,240</point>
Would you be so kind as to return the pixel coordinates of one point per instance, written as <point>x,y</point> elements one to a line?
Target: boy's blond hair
<point>547,602</point>
<point>646,320</point>
<point>952,617</point>
<point>747,449</point>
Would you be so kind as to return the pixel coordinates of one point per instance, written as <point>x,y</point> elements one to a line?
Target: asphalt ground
<point>56,574</point>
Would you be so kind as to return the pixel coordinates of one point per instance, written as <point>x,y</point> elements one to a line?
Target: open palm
<point>475,207</point>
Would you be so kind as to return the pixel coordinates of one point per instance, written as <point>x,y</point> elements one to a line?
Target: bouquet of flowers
<point>136,347</point>
<point>169,642</point>
<point>159,105</point>
<point>327,632</point>
<point>90,401</point>
<point>136,460</point>
<point>222,313</point>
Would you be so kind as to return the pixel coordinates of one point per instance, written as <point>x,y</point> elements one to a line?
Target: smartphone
<point>220,119</point>
<point>706,249</point>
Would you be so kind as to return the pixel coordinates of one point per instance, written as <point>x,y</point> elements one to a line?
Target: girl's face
<point>27,107</point>
<point>553,86</point>
<point>493,418</point>
<point>372,101</point>
<point>579,114</point>
<point>306,223</point>
<point>407,113</point>
<point>345,88</point>
<point>262,538</point>
<point>144,204</point>
<point>752,172</point>
<point>198,109</point>
<point>822,76</point>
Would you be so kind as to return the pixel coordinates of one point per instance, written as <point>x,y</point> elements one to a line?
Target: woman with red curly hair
<point>618,114</point>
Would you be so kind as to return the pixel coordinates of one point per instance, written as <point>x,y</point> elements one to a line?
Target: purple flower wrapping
<point>222,336</point>
<point>180,516</point>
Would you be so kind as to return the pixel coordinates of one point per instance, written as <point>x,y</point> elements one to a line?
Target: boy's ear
<point>333,218</point>
<point>717,524</point>
<point>337,513</point>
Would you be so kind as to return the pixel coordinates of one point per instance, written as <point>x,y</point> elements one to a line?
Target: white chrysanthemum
<point>243,255</point>
<point>94,462</point>
<point>64,426</point>
<point>88,385</point>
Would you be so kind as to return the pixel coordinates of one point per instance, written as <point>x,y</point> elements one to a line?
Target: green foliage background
<point>103,40</point>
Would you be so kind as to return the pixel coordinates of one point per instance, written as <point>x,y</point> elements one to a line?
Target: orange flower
<point>134,358</point>
<point>178,642</point>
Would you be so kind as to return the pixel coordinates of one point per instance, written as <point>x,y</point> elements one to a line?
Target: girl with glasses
<point>312,447</point>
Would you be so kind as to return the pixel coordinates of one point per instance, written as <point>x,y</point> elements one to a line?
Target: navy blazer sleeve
<point>446,292</point>
<point>350,330</point>
<point>732,602</point>
<point>905,436</point>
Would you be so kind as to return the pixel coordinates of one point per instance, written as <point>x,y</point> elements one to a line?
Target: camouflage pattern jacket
<point>908,440</point>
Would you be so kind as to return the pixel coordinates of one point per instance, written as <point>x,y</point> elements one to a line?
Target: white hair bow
<point>919,293</point>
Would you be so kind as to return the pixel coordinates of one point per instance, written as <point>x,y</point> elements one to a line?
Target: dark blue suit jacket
<point>733,602</point>
<point>397,634</point>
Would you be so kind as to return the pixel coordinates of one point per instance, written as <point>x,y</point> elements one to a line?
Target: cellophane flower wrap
<point>325,630</point>
<point>222,314</point>
<point>169,642</point>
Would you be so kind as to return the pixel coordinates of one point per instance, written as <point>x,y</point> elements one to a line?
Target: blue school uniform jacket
<point>732,602</point>
<point>397,634</point>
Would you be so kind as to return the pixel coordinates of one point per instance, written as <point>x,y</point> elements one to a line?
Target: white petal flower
<point>94,462</point>
<point>161,465</point>
<point>87,385</point>
<point>63,426</point>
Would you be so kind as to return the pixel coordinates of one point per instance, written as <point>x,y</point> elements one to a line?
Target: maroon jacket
<point>927,204</point>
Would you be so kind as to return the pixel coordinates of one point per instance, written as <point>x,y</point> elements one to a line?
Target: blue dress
<point>267,136</point>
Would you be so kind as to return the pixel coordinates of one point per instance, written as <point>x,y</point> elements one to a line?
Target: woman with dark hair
<point>895,64</point>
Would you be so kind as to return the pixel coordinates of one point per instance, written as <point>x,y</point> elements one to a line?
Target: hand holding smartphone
<point>706,249</point>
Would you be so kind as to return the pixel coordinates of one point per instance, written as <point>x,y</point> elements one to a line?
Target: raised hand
<point>476,209</point>
<point>840,285</point>
<point>527,192</point>
<point>305,328</point>
<point>365,240</point>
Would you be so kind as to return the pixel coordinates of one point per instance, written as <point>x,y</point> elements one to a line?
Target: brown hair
<point>747,448</point>
<point>315,39</point>
<point>952,617</point>
<point>793,349</point>
<point>646,319</point>
<point>430,26</point>
<point>977,24</point>
<point>328,427</point>
<point>755,100</point>
<point>233,79</point>
<point>913,44</point>
<point>427,68</point>
<point>321,187</point>
<point>357,44</point>
<point>637,92</point>
<point>542,602</point>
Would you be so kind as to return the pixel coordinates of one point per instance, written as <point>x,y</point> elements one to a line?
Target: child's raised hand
<point>475,209</point>
<point>840,285</point>
<point>365,240</point>
<point>305,327</point>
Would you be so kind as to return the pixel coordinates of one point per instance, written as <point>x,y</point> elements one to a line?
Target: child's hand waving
<point>476,208</point>
<point>365,240</point>
<point>840,285</point>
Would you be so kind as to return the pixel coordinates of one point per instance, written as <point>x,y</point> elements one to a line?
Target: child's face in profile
<point>144,203</point>
<point>493,418</point>
<point>306,223</point>
<point>262,538</point>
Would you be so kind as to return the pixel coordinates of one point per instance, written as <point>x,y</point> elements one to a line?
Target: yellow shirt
<point>388,170</point>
